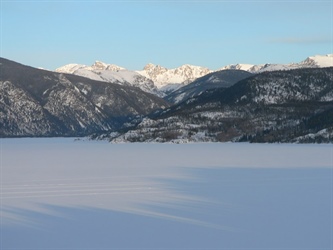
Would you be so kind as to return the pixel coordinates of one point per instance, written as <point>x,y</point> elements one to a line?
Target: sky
<point>132,33</point>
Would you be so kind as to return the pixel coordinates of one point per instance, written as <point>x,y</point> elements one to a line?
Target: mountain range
<point>256,103</point>
<point>162,81</point>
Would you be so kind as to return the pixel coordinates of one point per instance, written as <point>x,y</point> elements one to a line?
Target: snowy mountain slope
<point>100,71</point>
<point>36,102</point>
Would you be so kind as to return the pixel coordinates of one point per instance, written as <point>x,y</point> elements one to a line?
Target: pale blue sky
<point>131,34</point>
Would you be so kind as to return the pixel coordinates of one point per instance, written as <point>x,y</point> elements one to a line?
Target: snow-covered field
<point>66,194</point>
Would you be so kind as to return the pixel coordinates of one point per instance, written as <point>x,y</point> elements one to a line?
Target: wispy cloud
<point>301,40</point>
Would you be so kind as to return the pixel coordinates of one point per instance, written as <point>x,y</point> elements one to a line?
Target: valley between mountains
<point>242,102</point>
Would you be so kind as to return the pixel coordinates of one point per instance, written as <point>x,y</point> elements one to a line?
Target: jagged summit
<point>152,69</point>
<point>182,75</point>
<point>99,65</point>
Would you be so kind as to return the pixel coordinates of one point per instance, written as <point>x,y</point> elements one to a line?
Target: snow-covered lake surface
<point>66,194</point>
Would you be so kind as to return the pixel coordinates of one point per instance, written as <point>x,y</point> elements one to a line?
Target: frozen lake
<point>66,194</point>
